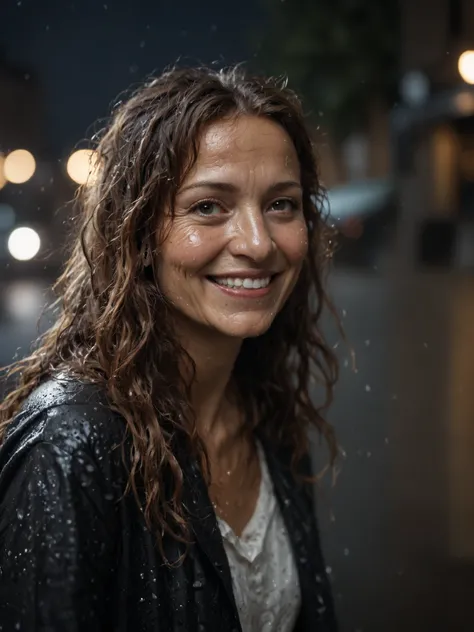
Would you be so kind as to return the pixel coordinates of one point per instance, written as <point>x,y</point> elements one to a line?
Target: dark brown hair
<point>114,327</point>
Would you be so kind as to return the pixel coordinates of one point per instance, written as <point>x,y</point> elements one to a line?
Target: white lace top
<point>263,570</point>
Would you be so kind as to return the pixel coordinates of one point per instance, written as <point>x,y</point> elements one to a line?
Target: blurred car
<point>364,213</point>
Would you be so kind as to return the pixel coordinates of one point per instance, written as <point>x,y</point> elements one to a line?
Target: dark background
<point>84,53</point>
<point>396,155</point>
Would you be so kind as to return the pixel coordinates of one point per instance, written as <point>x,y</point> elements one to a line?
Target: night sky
<point>84,53</point>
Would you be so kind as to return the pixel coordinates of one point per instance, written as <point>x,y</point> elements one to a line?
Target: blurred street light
<point>81,165</point>
<point>3,180</point>
<point>19,166</point>
<point>466,66</point>
<point>415,88</point>
<point>24,243</point>
<point>23,300</point>
<point>464,103</point>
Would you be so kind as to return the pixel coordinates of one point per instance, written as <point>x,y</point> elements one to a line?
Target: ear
<point>146,255</point>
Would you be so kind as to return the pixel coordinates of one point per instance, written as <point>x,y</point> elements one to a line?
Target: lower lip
<point>242,292</point>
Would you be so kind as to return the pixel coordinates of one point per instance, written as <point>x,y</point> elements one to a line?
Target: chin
<point>245,330</point>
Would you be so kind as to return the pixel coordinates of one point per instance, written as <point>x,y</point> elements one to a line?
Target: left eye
<point>284,205</point>
<point>207,209</point>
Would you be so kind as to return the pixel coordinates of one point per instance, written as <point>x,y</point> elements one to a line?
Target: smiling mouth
<point>243,283</point>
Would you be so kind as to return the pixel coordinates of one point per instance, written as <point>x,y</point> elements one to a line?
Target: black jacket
<point>76,556</point>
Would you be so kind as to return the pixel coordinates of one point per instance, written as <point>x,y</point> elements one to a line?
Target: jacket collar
<point>302,531</point>
<point>205,528</point>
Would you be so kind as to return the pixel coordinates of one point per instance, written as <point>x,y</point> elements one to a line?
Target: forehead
<point>246,142</point>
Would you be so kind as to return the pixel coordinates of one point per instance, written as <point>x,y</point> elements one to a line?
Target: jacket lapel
<point>317,608</point>
<point>206,530</point>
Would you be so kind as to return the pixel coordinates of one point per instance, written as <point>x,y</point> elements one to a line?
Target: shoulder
<point>71,417</point>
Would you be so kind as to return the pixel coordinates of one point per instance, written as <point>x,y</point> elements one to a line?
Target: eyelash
<point>195,208</point>
<point>293,203</point>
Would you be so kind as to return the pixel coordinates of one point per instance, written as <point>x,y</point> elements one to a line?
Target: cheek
<point>294,243</point>
<point>187,250</point>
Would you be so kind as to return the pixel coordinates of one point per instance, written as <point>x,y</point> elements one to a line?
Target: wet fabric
<point>76,556</point>
<point>262,566</point>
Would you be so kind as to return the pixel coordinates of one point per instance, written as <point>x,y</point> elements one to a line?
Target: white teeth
<point>248,284</point>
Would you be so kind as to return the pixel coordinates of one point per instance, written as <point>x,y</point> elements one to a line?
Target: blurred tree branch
<point>339,54</point>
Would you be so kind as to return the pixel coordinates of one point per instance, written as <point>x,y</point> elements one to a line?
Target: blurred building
<point>21,112</point>
<point>29,199</point>
<point>33,184</point>
<point>433,140</point>
<point>434,133</point>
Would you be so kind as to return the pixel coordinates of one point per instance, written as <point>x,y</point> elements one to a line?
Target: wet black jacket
<point>74,557</point>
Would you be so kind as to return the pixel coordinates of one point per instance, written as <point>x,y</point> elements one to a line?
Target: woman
<point>154,464</point>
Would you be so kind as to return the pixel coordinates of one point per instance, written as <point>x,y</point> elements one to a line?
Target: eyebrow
<point>231,188</point>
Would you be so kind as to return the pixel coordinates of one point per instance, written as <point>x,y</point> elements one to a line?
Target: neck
<point>217,419</point>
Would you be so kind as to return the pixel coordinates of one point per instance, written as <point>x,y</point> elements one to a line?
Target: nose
<point>252,236</point>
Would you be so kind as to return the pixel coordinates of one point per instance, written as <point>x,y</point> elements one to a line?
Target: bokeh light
<point>3,180</point>
<point>464,103</point>
<point>81,166</point>
<point>466,66</point>
<point>19,166</point>
<point>24,243</point>
<point>23,301</point>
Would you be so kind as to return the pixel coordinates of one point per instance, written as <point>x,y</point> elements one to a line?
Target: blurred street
<point>401,545</point>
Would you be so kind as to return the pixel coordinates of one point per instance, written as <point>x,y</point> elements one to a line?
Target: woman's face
<point>234,249</point>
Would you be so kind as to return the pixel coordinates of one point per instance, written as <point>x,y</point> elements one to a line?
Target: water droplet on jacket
<point>198,584</point>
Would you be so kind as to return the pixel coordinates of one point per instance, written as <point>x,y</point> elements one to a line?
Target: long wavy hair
<point>114,326</point>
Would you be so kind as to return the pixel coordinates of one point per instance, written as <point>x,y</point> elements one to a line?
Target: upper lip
<point>244,274</point>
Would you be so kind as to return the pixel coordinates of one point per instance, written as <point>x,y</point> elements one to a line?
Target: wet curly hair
<point>113,325</point>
